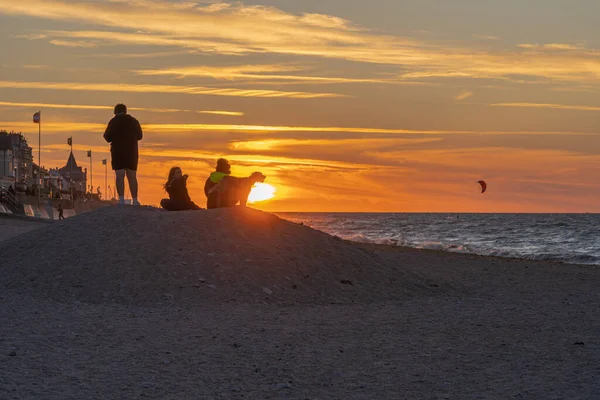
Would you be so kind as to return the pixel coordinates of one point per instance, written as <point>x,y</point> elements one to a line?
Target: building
<point>71,172</point>
<point>16,160</point>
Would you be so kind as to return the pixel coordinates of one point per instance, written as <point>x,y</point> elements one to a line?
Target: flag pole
<point>40,140</point>
<point>71,173</point>
<point>39,156</point>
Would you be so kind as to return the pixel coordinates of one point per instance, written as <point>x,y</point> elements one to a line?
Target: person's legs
<point>120,174</point>
<point>133,185</point>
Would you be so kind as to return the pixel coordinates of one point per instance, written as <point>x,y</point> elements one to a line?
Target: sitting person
<point>231,190</point>
<point>179,198</point>
<point>222,170</point>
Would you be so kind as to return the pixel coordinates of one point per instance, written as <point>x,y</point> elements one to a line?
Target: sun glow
<point>261,192</point>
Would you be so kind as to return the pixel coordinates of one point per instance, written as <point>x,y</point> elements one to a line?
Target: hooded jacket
<point>211,182</point>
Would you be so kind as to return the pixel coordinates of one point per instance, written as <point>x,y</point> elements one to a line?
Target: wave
<point>585,259</point>
<point>559,238</point>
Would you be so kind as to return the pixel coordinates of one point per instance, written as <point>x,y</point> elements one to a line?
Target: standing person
<point>222,170</point>
<point>179,198</point>
<point>123,133</point>
<point>60,211</point>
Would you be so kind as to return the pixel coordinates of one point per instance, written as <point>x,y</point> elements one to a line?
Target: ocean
<point>569,238</point>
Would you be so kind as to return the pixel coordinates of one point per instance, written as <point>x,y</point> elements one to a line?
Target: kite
<point>483,186</point>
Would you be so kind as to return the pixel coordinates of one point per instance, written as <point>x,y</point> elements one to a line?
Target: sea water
<point>570,238</point>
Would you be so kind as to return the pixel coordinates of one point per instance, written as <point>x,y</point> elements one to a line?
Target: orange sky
<point>344,105</point>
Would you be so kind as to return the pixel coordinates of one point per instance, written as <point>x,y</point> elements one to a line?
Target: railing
<point>11,201</point>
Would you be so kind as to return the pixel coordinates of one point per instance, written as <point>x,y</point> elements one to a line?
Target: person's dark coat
<point>179,198</point>
<point>123,133</point>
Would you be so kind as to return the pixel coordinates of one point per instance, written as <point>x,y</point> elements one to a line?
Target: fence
<point>10,201</point>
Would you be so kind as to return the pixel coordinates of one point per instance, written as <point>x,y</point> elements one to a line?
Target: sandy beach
<point>165,306</point>
<point>11,225</point>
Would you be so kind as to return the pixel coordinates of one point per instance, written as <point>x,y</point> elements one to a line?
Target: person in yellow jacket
<point>222,170</point>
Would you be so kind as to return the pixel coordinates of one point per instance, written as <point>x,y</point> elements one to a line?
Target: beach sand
<point>11,225</point>
<point>441,326</point>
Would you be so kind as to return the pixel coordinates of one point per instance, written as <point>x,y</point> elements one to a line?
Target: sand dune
<point>147,256</point>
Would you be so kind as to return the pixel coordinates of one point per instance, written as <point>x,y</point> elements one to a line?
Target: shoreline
<point>24,224</point>
<point>407,249</point>
<point>566,238</point>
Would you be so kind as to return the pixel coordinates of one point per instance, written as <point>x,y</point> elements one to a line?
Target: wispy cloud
<point>142,88</point>
<point>227,113</point>
<point>59,127</point>
<point>84,107</point>
<point>551,106</point>
<point>326,145</point>
<point>239,29</point>
<point>552,46</point>
<point>98,107</point>
<point>254,72</point>
<point>155,54</point>
<point>463,95</point>
<point>208,155</point>
<point>72,43</point>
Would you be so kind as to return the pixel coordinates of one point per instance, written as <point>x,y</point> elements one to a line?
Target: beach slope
<point>218,305</point>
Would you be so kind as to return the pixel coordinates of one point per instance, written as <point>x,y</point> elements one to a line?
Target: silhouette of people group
<point>123,132</point>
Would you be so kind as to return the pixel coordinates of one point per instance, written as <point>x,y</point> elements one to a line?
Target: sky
<point>345,105</point>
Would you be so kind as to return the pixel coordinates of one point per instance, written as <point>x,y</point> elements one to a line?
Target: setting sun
<point>261,192</point>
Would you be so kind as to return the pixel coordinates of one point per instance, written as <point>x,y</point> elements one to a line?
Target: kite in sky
<point>483,186</point>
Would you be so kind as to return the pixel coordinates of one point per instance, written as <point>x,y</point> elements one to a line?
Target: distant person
<point>11,190</point>
<point>179,198</point>
<point>123,133</point>
<point>60,211</point>
<point>222,170</point>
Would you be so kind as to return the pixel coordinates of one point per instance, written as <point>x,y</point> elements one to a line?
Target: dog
<point>234,190</point>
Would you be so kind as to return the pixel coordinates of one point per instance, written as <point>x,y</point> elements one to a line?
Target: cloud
<point>71,43</point>
<point>31,36</point>
<point>551,46</point>
<point>463,95</point>
<point>551,106</point>
<point>325,145</point>
<point>98,107</point>
<point>172,129</point>
<point>137,55</point>
<point>240,29</point>
<point>508,166</point>
<point>227,113</point>
<point>253,72</point>
<point>252,159</point>
<point>142,88</point>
